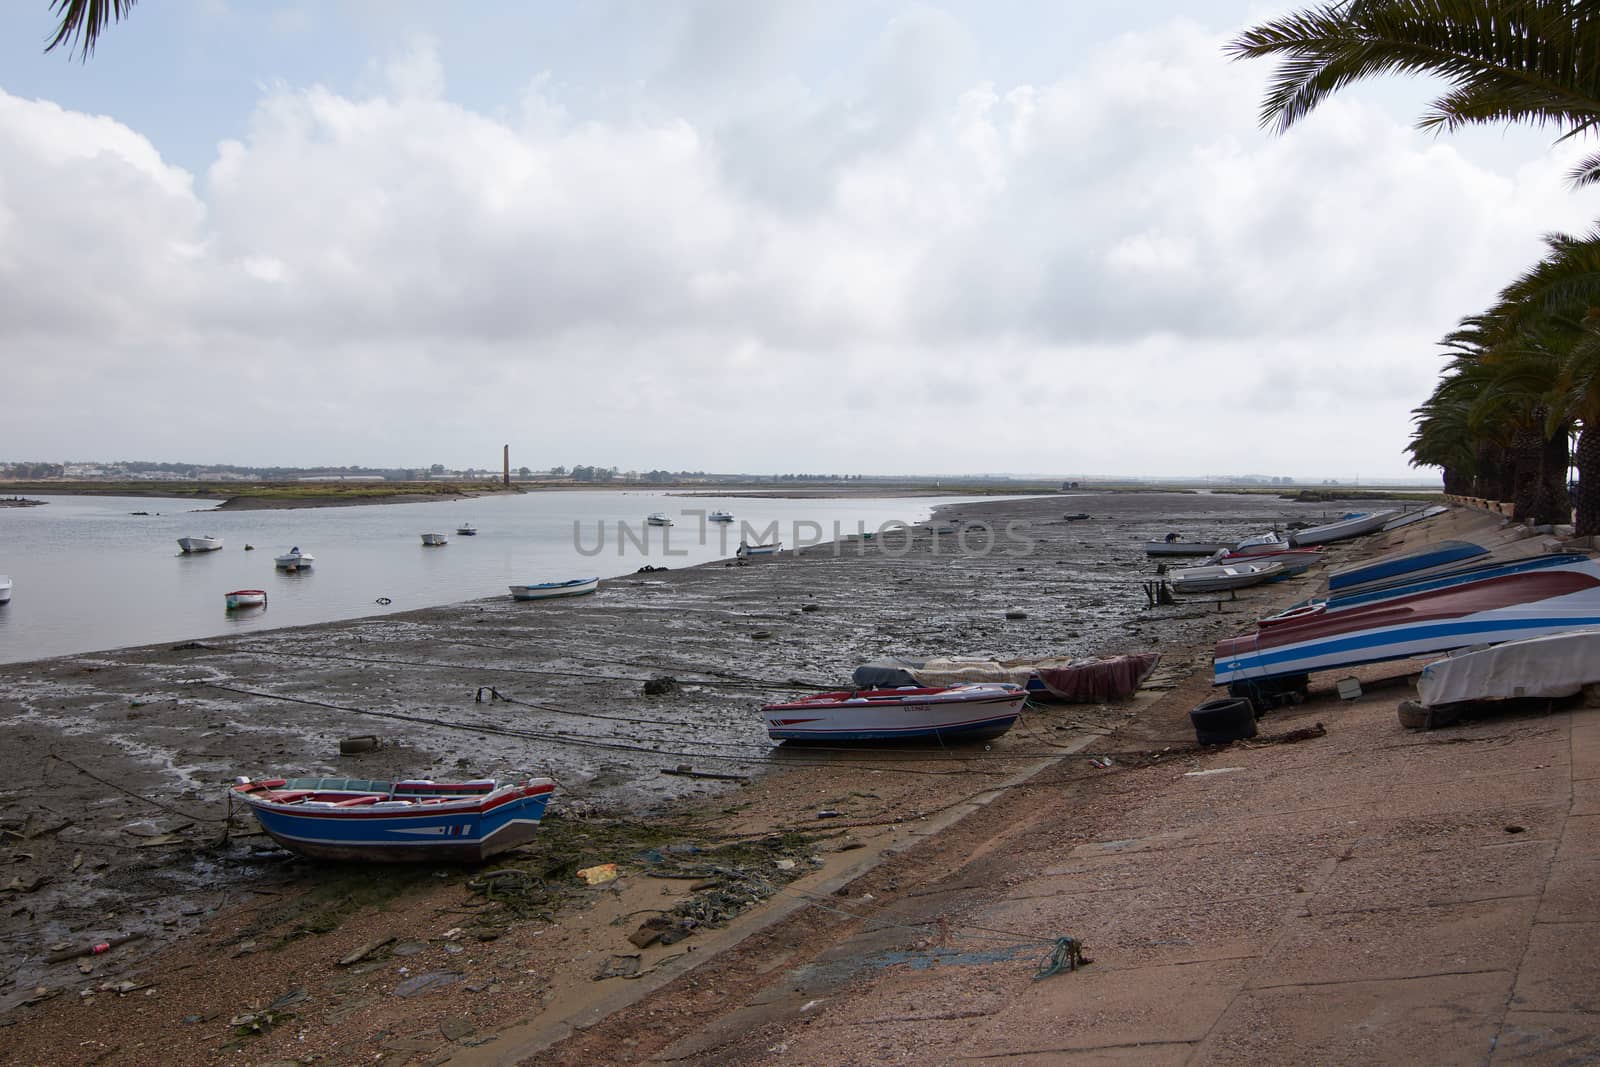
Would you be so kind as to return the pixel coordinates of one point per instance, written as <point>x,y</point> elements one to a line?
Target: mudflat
<point>115,821</point>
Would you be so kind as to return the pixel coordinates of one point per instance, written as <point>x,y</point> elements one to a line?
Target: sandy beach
<point>114,816</point>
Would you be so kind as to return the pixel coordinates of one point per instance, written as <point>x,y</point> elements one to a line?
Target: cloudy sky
<point>863,236</point>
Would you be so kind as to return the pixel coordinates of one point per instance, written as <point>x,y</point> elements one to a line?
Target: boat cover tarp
<point>1549,667</point>
<point>1092,679</point>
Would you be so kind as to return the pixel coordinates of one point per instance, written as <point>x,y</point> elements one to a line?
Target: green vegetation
<point>307,492</point>
<point>1524,374</point>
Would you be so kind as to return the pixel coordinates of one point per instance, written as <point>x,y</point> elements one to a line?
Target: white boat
<point>5,588</point>
<point>200,544</point>
<point>294,560</point>
<point>1409,517</point>
<point>246,598</point>
<point>435,539</point>
<point>720,516</point>
<point>1349,526</point>
<point>1261,545</point>
<point>1223,578</point>
<point>1179,547</point>
<point>550,590</point>
<point>770,549</point>
<point>658,518</point>
<point>970,712</point>
<point>1294,560</point>
<point>466,529</point>
<point>1545,668</point>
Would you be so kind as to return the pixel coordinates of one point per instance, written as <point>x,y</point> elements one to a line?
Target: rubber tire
<point>1219,722</point>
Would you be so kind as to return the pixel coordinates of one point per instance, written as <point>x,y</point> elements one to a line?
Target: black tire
<point>1218,722</point>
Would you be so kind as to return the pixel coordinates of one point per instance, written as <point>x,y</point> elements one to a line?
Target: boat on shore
<point>1261,545</point>
<point>245,598</point>
<point>434,539</point>
<point>1522,604</point>
<point>772,548</point>
<point>1067,679</point>
<point>1403,567</point>
<point>1467,575</point>
<point>1406,518</point>
<point>294,560</point>
<point>969,712</point>
<point>1178,547</point>
<point>658,518</point>
<point>407,821</point>
<point>1357,524</point>
<point>200,544</point>
<point>1223,578</point>
<point>1539,668</point>
<point>551,590</point>
<point>1292,560</point>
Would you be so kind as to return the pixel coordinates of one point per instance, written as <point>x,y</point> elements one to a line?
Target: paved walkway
<point>1376,895</point>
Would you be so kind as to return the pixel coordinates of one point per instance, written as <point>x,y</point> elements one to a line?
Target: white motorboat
<point>435,539</point>
<point>1354,525</point>
<point>466,529</point>
<point>294,560</point>
<point>1176,546</point>
<point>1223,577</point>
<point>200,544</point>
<point>246,598</point>
<point>720,516</point>
<point>1261,545</point>
<point>658,518</point>
<point>5,588</point>
<point>549,590</point>
<point>770,549</point>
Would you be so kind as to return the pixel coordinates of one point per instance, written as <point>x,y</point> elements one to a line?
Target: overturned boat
<point>1403,567</point>
<point>1541,668</point>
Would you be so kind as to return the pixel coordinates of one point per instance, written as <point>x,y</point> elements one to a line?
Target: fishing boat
<point>1527,603</point>
<point>720,516</point>
<point>5,588</point>
<point>200,544</point>
<point>1223,578</point>
<point>294,560</point>
<point>434,539</point>
<point>1397,567</point>
<point>1292,560</point>
<point>972,712</point>
<point>1406,518</point>
<point>357,819</point>
<point>772,548</point>
<point>1542,668</point>
<point>246,598</point>
<point>466,529</point>
<point>1355,524</point>
<point>658,518</point>
<point>1178,547</point>
<point>550,590</point>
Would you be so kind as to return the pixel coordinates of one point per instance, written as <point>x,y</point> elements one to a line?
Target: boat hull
<point>959,713</point>
<point>552,590</point>
<point>1184,548</point>
<point>1405,567</point>
<point>434,539</point>
<point>1222,579</point>
<point>199,544</point>
<point>455,830</point>
<point>760,550</point>
<point>1355,526</point>
<point>246,598</point>
<point>1507,608</point>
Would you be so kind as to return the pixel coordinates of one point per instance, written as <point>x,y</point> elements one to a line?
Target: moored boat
<point>434,539</point>
<point>971,712</point>
<point>246,598</point>
<point>772,548</point>
<point>200,544</point>
<point>357,819</point>
<point>720,516</point>
<point>5,588</point>
<point>294,560</point>
<point>1526,603</point>
<point>1224,577</point>
<point>466,529</point>
<point>1356,524</point>
<point>658,518</point>
<point>550,590</point>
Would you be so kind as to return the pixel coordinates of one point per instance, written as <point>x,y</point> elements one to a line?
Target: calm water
<point>89,575</point>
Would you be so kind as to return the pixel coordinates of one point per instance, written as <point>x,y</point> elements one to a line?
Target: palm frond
<point>82,22</point>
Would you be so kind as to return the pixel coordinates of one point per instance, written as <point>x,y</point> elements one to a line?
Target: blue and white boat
<point>1433,583</point>
<point>1404,567</point>
<point>407,821</point>
<point>549,590</point>
<point>1527,603</point>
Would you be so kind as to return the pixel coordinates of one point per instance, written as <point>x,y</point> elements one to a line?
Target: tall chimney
<point>506,459</point>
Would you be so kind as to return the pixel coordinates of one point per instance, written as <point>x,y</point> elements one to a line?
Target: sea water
<point>90,574</point>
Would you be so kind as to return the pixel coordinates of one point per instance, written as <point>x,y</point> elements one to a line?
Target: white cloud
<point>1111,272</point>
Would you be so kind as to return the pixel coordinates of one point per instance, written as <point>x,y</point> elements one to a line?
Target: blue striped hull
<point>461,836</point>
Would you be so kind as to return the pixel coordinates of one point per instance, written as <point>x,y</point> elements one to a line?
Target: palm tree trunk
<point>1526,449</point>
<point>1551,504</point>
<point>1588,481</point>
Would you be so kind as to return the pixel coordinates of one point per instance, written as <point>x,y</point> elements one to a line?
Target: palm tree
<point>1504,60</point>
<point>82,20</point>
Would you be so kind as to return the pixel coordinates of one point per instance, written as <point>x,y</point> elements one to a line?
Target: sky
<point>832,236</point>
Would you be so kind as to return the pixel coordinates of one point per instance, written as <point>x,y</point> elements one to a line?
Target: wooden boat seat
<point>355,802</point>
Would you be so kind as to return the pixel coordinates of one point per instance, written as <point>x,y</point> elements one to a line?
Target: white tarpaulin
<point>1558,665</point>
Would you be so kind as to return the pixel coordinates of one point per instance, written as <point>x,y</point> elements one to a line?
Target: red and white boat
<point>1293,560</point>
<point>246,598</point>
<point>971,712</point>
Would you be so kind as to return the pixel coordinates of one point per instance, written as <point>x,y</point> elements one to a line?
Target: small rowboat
<point>432,539</point>
<point>548,590</point>
<point>1180,547</point>
<point>1355,525</point>
<point>466,529</point>
<point>246,598</point>
<point>356,819</point>
<point>200,544</point>
<point>1223,578</point>
<point>771,549</point>
<point>970,712</point>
